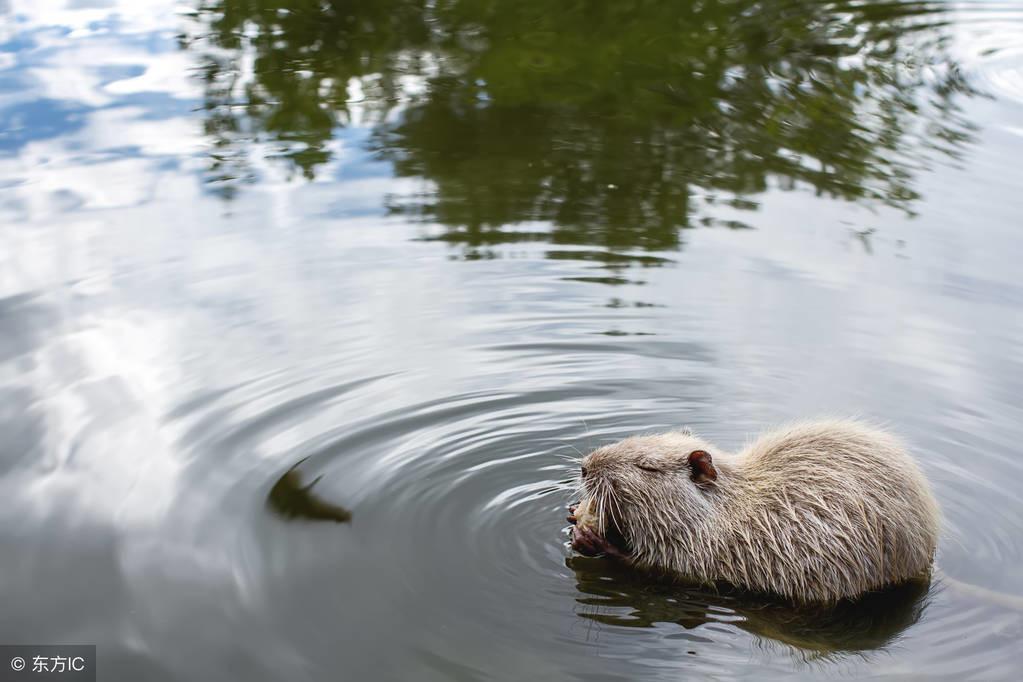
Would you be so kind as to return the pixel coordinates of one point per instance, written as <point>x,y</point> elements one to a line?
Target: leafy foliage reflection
<point>616,123</point>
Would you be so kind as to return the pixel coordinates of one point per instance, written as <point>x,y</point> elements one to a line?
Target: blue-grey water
<point>419,255</point>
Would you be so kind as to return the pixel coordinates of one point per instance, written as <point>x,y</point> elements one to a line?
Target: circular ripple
<point>457,531</point>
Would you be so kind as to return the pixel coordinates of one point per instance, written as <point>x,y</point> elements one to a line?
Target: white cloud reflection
<point>136,291</point>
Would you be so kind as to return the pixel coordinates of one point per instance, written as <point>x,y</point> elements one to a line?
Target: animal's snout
<point>584,471</point>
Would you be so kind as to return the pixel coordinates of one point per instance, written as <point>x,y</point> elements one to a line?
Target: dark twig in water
<point>290,499</point>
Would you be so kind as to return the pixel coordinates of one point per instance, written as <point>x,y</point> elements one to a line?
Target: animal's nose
<point>584,471</point>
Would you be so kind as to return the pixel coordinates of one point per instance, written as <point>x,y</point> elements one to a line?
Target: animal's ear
<point>703,471</point>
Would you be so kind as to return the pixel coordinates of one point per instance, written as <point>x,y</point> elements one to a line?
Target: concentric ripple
<point>456,540</point>
<point>302,331</point>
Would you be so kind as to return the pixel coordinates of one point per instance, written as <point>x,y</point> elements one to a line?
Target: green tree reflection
<point>617,123</point>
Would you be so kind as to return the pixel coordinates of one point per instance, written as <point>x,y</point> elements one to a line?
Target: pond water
<point>419,255</point>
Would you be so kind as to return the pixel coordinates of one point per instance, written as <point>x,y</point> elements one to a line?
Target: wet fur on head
<point>814,511</point>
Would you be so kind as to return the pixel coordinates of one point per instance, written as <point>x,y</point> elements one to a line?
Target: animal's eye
<point>649,466</point>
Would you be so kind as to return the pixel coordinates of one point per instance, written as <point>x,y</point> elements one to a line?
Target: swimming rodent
<point>813,512</point>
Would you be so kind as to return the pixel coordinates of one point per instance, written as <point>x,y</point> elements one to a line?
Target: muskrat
<point>814,512</point>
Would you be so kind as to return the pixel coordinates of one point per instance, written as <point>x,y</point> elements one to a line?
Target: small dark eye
<point>647,466</point>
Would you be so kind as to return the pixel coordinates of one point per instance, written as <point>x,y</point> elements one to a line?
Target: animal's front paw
<point>590,543</point>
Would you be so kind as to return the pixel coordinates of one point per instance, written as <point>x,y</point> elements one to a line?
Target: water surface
<point>305,308</point>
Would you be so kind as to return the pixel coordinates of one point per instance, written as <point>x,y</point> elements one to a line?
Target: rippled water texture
<point>306,307</point>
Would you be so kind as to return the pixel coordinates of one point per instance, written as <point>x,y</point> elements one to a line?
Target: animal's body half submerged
<point>816,511</point>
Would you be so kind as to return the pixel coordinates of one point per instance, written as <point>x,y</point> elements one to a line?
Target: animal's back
<point>828,509</point>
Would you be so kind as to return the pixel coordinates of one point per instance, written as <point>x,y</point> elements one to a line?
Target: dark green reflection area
<point>617,123</point>
<point>614,595</point>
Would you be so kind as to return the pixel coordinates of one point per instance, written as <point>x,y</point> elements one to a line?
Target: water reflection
<point>618,124</point>
<point>166,355</point>
<point>616,596</point>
